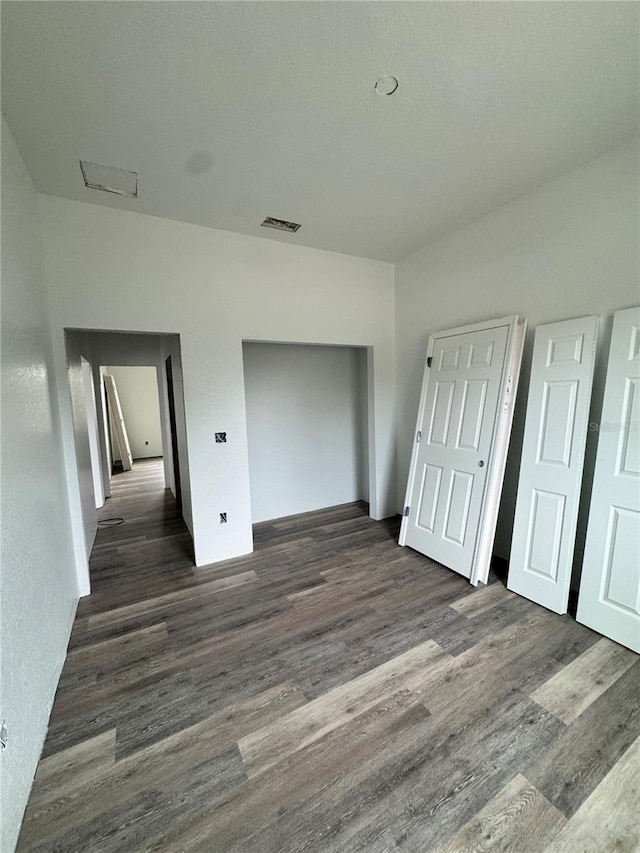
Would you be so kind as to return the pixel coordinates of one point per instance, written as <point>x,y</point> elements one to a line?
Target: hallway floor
<point>330,692</point>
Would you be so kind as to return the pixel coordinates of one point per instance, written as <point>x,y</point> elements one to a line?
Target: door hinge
<point>406,511</point>
<point>419,435</point>
<point>507,393</point>
<point>429,360</point>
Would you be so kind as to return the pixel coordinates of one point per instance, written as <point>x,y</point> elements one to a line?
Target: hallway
<point>330,692</point>
<point>138,552</point>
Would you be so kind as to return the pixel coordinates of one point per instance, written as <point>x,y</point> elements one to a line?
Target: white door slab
<point>609,596</point>
<point>119,428</point>
<point>460,447</point>
<point>552,460</point>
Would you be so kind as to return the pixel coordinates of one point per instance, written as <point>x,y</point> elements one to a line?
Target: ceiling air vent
<point>281,224</point>
<point>109,179</point>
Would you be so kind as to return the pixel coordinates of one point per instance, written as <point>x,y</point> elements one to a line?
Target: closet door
<point>459,447</point>
<point>552,460</point>
<point>609,598</point>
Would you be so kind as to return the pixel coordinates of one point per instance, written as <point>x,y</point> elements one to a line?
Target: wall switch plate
<point>221,438</point>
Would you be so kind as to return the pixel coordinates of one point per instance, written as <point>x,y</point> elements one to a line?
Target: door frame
<point>173,431</point>
<point>497,460</point>
<point>92,428</point>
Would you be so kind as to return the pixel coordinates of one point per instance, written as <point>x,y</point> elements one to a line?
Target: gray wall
<point>569,249</point>
<point>307,427</point>
<point>38,590</point>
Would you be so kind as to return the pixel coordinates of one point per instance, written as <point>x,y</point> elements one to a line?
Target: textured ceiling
<point>231,112</point>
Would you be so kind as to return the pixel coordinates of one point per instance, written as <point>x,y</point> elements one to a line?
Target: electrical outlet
<point>221,438</point>
<point>146,442</point>
<point>223,518</point>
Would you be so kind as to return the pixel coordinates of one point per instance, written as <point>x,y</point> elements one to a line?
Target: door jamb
<point>498,457</point>
<point>173,432</point>
<point>92,429</point>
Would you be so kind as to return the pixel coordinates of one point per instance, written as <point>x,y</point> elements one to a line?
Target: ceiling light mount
<point>280,224</point>
<point>386,85</point>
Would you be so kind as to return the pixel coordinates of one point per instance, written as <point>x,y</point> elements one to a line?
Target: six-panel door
<point>552,461</point>
<point>456,427</point>
<point>609,597</point>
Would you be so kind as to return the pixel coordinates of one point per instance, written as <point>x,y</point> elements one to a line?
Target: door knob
<point>481,463</point>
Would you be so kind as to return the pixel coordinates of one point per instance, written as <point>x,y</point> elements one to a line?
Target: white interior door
<point>609,597</point>
<point>119,428</point>
<point>552,461</point>
<point>466,392</point>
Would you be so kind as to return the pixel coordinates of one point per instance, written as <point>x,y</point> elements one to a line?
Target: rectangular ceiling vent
<point>109,179</point>
<point>281,224</point>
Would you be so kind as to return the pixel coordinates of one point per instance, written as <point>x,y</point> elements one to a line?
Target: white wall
<point>38,592</point>
<point>110,269</point>
<point>305,424</point>
<point>77,349</point>
<point>568,249</point>
<point>138,393</point>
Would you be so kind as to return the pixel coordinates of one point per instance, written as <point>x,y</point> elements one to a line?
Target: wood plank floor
<point>330,692</point>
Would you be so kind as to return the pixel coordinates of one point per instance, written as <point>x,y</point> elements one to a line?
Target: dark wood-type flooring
<point>331,692</point>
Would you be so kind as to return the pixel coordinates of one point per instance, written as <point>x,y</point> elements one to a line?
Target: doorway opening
<point>307,425</point>
<point>150,405</point>
<point>138,390</point>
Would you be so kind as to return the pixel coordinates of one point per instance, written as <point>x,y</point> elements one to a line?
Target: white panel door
<point>117,419</point>
<point>464,390</point>
<point>555,435</point>
<point>609,597</point>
